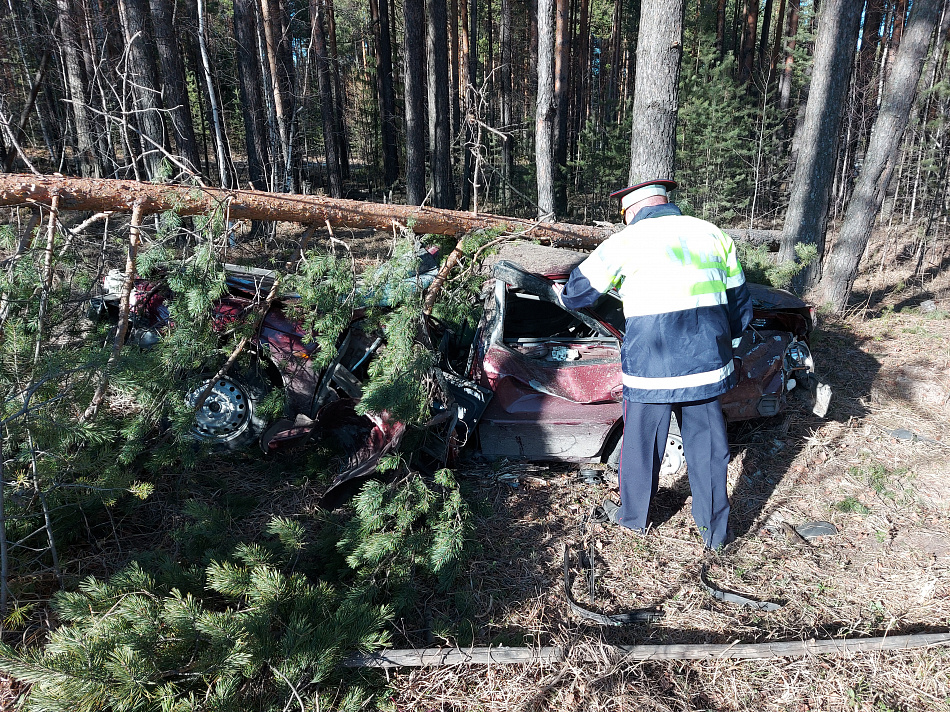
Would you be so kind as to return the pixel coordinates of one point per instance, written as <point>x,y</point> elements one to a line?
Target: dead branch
<point>438,657</point>
<point>124,305</point>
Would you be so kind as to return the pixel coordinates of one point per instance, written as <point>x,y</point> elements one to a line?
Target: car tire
<point>673,459</point>
<point>230,418</point>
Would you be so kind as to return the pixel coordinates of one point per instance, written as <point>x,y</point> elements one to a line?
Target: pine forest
<point>236,225</point>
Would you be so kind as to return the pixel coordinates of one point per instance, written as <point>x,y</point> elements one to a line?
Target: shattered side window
<point>527,316</point>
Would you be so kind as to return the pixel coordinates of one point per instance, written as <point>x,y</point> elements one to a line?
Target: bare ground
<point>876,467</point>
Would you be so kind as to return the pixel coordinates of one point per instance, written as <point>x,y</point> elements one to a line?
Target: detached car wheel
<point>673,459</point>
<point>229,417</point>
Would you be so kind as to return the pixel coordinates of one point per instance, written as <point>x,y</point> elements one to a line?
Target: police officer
<point>685,300</point>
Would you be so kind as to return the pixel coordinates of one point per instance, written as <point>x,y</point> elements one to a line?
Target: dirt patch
<point>876,467</point>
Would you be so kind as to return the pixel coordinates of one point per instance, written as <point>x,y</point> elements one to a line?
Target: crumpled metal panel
<point>760,371</point>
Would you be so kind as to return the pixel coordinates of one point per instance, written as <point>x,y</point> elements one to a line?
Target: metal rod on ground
<point>437,657</point>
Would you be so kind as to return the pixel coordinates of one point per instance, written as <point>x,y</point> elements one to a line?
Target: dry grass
<point>886,572</point>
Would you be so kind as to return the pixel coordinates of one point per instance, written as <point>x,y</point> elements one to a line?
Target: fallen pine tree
<point>124,195</point>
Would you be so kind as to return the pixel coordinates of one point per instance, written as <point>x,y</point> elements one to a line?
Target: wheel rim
<point>225,413</point>
<point>673,458</point>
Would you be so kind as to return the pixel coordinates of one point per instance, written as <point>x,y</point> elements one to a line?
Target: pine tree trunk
<point>656,99</point>
<point>440,119</point>
<point>777,43</point>
<point>835,287</point>
<point>141,74</point>
<point>216,118</point>
<point>791,32</point>
<point>545,112</point>
<point>764,39</point>
<point>897,32</point>
<point>174,86</point>
<point>454,68</point>
<point>88,158</point>
<point>343,146</point>
<point>379,12</point>
<point>252,101</point>
<point>123,195</point>
<point>270,19</point>
<point>507,147</point>
<point>721,28</point>
<point>327,109</point>
<point>750,20</point>
<point>414,51</point>
<point>562,62</point>
<point>817,135</point>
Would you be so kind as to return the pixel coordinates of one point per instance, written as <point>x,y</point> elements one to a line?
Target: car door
<point>555,373</point>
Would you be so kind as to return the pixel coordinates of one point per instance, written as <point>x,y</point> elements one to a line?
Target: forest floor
<point>876,467</point>
<point>887,571</point>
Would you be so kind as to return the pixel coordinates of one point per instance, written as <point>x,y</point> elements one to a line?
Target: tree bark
<point>89,161</point>
<point>545,112</point>
<point>750,20</point>
<point>562,61</point>
<point>122,195</point>
<point>836,285</point>
<point>414,51</point>
<point>791,32</point>
<point>271,20</point>
<point>777,43</point>
<point>505,85</point>
<point>141,73</point>
<point>720,28</point>
<point>766,26</point>
<point>897,32</point>
<point>343,146</point>
<point>327,107</point>
<point>216,118</point>
<point>437,43</point>
<point>379,12</point>
<point>454,68</point>
<point>250,82</point>
<point>174,86</point>
<point>817,136</point>
<point>656,98</point>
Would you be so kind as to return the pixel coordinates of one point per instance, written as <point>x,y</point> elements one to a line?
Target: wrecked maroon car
<point>555,373</point>
<point>538,382</point>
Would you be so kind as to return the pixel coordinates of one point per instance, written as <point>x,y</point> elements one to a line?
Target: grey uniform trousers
<point>645,430</point>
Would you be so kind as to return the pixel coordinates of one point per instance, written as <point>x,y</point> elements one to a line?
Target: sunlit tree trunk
<point>545,112</point>
<point>838,280</point>
<point>142,75</point>
<point>174,86</point>
<point>656,98</point>
<point>250,83</point>
<point>89,162</point>
<point>750,20</point>
<point>791,32</point>
<point>817,136</point>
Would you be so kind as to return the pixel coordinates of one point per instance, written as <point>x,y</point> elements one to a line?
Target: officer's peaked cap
<point>635,193</point>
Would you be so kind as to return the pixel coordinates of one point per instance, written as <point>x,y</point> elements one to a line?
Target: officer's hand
<point>558,290</point>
